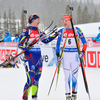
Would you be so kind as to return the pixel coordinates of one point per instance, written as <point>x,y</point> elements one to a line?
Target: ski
<point>14,62</point>
<point>59,64</point>
<point>57,68</point>
<point>44,36</point>
<point>81,59</point>
<point>36,40</point>
<point>2,64</point>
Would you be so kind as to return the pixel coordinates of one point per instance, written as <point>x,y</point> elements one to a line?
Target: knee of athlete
<point>30,80</point>
<point>36,82</point>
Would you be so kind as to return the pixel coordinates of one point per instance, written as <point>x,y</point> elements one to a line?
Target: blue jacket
<point>7,37</point>
<point>16,40</point>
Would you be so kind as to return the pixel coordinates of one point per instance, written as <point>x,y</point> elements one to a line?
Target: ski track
<point>12,81</point>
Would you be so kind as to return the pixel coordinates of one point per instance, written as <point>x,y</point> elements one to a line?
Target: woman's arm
<point>81,36</point>
<point>50,38</point>
<point>23,37</point>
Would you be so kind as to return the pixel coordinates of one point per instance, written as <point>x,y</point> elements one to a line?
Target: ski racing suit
<point>70,59</point>
<point>32,59</point>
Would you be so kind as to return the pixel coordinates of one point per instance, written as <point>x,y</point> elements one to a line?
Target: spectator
<point>16,38</point>
<point>7,37</point>
<point>97,38</point>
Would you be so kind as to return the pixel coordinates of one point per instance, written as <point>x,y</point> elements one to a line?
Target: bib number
<point>69,41</point>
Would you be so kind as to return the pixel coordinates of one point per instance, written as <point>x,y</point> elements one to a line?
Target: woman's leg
<point>30,80</point>
<point>38,70</point>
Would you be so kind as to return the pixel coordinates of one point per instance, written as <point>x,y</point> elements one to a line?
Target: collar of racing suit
<point>33,28</point>
<point>69,28</point>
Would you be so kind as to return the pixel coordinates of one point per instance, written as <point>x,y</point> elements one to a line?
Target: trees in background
<point>48,10</point>
<point>8,22</point>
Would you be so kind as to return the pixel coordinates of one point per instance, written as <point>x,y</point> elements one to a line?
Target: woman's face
<point>67,23</point>
<point>36,22</point>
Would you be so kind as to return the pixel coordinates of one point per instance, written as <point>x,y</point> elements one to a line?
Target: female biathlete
<point>32,60</point>
<point>70,60</point>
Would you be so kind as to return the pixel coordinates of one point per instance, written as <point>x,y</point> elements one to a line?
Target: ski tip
<point>47,95</point>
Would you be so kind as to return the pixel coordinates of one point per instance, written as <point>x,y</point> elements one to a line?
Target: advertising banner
<point>91,58</point>
<point>6,48</point>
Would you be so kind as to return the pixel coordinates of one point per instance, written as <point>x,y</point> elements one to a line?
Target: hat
<point>7,32</point>
<point>32,18</point>
<point>66,17</point>
<point>16,35</point>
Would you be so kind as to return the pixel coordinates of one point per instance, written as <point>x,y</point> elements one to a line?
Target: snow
<point>89,29</point>
<point>12,81</point>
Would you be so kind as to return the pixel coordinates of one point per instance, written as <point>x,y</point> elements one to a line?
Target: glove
<point>58,59</point>
<point>43,33</point>
<point>29,47</point>
<point>94,40</point>
<point>82,54</point>
<point>1,41</point>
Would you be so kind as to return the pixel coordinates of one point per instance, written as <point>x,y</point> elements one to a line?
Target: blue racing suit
<point>32,59</point>
<point>16,39</point>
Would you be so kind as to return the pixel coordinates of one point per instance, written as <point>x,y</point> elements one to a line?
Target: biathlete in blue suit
<point>32,60</point>
<point>70,56</point>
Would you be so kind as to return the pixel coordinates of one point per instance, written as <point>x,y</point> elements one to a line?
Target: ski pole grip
<point>71,8</point>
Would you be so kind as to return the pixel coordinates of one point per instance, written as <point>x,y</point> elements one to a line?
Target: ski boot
<point>25,98</point>
<point>34,97</point>
<point>74,96</point>
<point>68,96</point>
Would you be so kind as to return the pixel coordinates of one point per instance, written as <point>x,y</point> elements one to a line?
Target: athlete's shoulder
<point>62,29</point>
<point>79,32</point>
<point>25,31</point>
<point>78,29</point>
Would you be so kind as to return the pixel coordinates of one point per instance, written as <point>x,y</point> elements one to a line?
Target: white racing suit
<point>70,60</point>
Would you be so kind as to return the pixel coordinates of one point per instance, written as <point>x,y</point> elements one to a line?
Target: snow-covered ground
<point>90,29</point>
<point>12,81</point>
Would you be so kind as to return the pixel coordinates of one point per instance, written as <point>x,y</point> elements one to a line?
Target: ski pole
<point>52,80</point>
<point>81,59</point>
<point>60,62</point>
<point>57,68</point>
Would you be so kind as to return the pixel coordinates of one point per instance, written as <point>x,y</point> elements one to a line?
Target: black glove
<point>57,54</point>
<point>29,47</point>
<point>1,41</point>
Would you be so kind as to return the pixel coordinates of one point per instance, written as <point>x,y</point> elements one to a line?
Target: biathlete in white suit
<point>70,59</point>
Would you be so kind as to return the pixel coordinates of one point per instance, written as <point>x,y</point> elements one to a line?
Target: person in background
<point>16,39</point>
<point>97,38</point>
<point>7,37</point>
